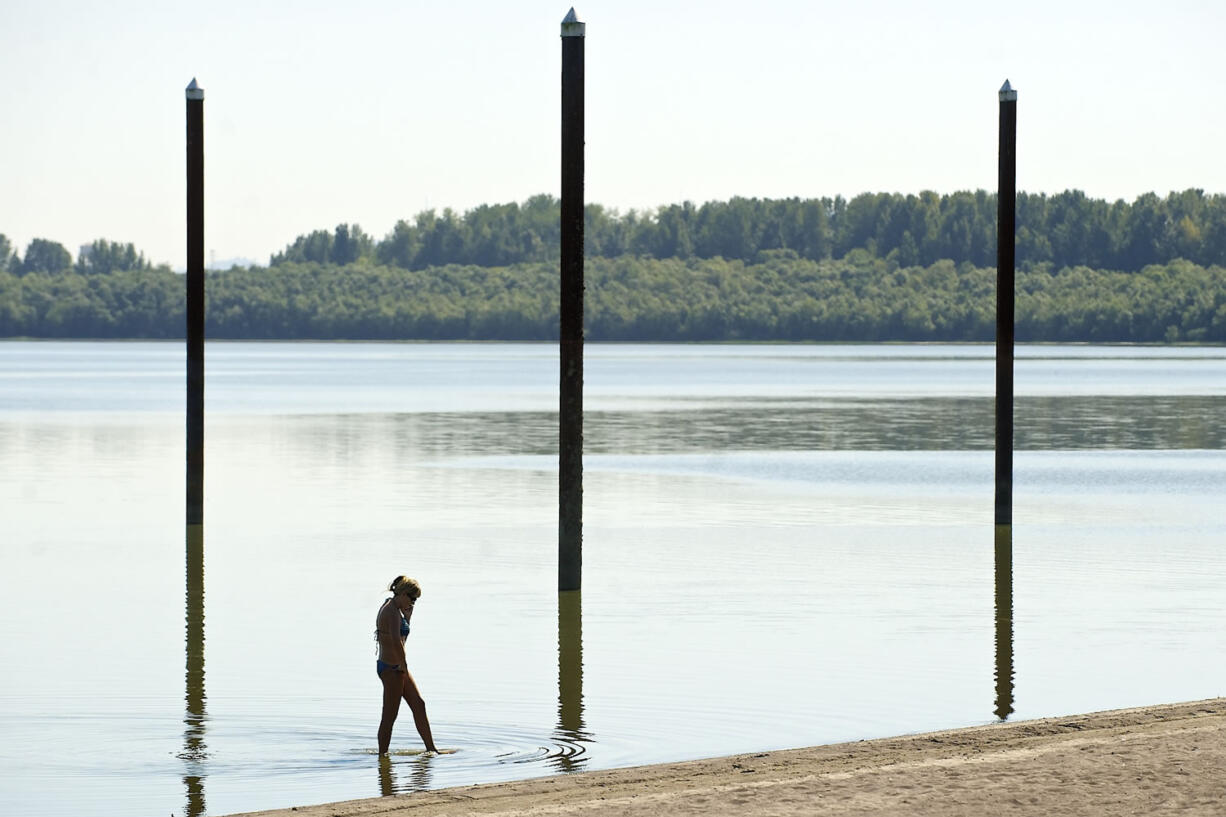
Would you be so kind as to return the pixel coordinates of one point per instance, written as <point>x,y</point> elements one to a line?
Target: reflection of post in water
<point>194,747</point>
<point>1004,621</point>
<point>570,733</point>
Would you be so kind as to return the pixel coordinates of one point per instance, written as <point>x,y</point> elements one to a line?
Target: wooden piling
<point>570,402</point>
<point>1006,203</point>
<point>195,304</point>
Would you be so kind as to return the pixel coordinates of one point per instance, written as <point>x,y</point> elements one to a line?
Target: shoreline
<point>1144,344</point>
<point>1163,759</point>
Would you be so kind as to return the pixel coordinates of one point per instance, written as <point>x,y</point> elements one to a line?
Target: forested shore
<point>880,267</point>
<point>780,298</point>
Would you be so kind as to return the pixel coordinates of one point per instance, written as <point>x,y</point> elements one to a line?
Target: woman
<point>391,630</point>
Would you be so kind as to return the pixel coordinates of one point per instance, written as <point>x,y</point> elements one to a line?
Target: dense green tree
<point>346,244</point>
<point>1067,230</point>
<point>350,244</point>
<point>779,296</point>
<point>398,249</point>
<point>103,257</point>
<point>45,256</point>
<point>1147,231</point>
<point>314,247</point>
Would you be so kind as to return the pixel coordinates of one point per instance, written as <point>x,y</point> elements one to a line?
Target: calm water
<point>784,546</point>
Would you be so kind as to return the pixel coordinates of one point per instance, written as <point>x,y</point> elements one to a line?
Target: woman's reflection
<point>418,770</point>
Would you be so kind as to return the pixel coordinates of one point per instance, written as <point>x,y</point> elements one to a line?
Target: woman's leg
<point>392,688</point>
<point>418,707</point>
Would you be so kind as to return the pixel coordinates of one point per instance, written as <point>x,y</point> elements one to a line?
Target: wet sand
<point>1168,759</point>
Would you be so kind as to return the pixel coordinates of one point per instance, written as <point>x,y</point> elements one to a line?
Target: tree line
<point>780,296</point>
<point>1068,229</point>
<point>1064,230</point>
<point>98,258</point>
<point>879,266</point>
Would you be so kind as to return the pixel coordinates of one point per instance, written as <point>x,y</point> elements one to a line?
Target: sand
<point>1168,759</point>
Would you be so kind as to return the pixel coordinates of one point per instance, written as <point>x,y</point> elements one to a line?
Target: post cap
<point>1007,94</point>
<point>571,27</point>
<point>195,92</point>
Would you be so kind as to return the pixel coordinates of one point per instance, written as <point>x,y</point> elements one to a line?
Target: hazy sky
<point>370,111</point>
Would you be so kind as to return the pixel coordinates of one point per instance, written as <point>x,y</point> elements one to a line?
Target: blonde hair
<point>405,585</point>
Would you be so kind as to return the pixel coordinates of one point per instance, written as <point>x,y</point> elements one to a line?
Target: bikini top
<point>404,627</point>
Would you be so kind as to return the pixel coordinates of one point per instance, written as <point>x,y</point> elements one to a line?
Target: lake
<point>783,546</point>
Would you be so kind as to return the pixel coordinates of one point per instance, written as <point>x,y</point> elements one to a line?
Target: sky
<point>371,111</point>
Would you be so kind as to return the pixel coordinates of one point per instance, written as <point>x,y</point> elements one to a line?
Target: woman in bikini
<point>391,630</point>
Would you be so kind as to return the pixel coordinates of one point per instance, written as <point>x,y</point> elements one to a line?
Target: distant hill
<point>231,263</point>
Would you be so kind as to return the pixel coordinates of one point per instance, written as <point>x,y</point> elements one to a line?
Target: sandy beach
<point>1168,759</point>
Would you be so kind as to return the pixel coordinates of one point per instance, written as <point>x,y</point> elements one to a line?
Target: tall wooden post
<point>195,304</point>
<point>1006,204</point>
<point>570,406</point>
